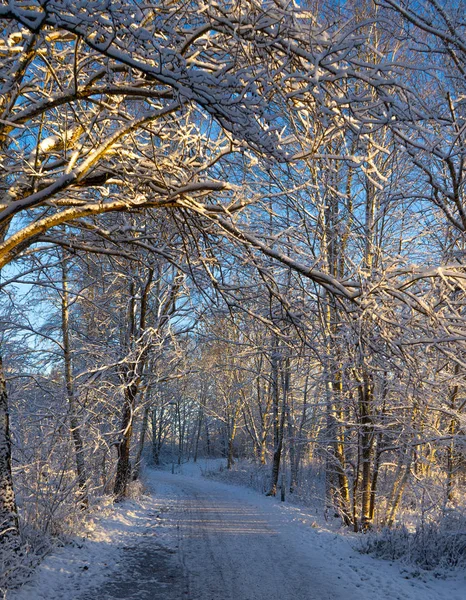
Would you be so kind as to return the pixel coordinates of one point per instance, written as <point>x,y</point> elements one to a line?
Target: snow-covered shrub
<point>311,483</point>
<point>432,546</point>
<point>243,472</point>
<point>17,566</point>
<point>136,489</point>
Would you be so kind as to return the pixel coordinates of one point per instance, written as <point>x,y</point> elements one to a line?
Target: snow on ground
<point>228,538</point>
<point>71,571</point>
<point>338,570</point>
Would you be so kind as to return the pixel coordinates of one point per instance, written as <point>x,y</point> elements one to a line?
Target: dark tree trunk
<point>453,455</point>
<point>367,442</point>
<point>280,430</point>
<point>9,522</point>
<point>157,434</point>
<point>83,499</point>
<point>292,453</point>
<point>142,438</point>
<point>132,379</point>
<point>207,438</point>
<point>200,418</point>
<point>123,473</point>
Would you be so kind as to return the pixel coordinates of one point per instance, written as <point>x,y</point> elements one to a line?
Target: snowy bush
<point>432,546</point>
<point>243,472</point>
<point>311,484</point>
<point>16,567</point>
<point>136,489</point>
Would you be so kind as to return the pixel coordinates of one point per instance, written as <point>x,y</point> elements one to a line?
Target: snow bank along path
<point>198,539</point>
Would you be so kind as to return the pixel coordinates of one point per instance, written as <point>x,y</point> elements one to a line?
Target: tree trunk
<point>292,452</point>
<point>123,473</point>
<point>337,480</point>
<point>207,437</point>
<point>398,488</point>
<point>367,439</point>
<point>299,444</point>
<point>379,449</point>
<point>131,377</point>
<point>200,417</point>
<point>231,441</point>
<point>157,434</point>
<point>9,522</point>
<point>83,498</point>
<point>279,425</point>
<point>452,453</point>
<point>181,428</point>
<point>142,437</point>
<point>375,478</point>
<point>232,429</point>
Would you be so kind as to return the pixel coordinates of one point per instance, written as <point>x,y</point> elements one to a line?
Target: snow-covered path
<point>233,548</point>
<point>237,544</point>
<point>198,539</point>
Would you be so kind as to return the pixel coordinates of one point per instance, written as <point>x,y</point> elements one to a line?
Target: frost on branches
<point>232,229</point>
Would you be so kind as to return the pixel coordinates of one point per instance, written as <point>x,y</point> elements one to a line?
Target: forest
<point>232,229</point>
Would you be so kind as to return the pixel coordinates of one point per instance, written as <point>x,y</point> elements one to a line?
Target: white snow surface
<point>88,561</point>
<point>231,543</point>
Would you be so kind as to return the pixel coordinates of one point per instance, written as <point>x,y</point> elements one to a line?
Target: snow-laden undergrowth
<point>432,546</point>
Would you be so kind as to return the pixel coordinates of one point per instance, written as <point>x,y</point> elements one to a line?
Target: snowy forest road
<point>233,547</point>
<point>193,538</point>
